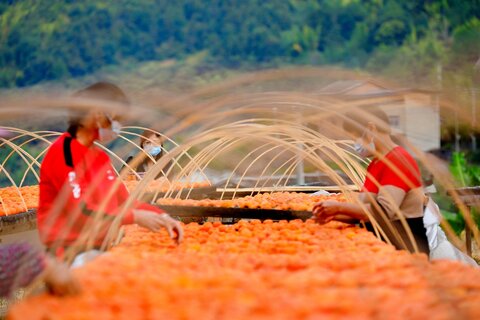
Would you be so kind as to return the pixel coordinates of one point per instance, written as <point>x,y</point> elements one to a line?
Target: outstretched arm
<point>326,211</point>
<point>151,217</point>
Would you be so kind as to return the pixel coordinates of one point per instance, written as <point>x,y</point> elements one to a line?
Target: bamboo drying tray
<point>234,213</point>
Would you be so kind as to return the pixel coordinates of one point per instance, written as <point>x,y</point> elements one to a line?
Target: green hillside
<point>57,39</point>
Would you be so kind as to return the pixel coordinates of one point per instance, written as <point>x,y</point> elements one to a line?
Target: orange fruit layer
<point>255,270</point>
<point>164,185</point>
<point>296,201</point>
<point>13,200</point>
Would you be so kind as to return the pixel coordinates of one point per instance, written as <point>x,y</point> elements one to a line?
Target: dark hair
<point>101,91</point>
<point>357,120</point>
<point>146,134</point>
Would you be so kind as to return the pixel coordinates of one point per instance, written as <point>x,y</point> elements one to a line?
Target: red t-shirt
<point>397,168</point>
<point>71,196</point>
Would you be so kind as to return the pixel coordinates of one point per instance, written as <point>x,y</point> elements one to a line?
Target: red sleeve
<point>147,206</point>
<point>400,171</point>
<point>89,208</point>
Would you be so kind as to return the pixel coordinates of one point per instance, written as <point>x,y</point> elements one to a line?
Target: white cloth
<point>84,257</point>
<point>440,247</point>
<point>321,193</point>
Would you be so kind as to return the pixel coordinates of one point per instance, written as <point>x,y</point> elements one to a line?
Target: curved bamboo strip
<point>292,135</point>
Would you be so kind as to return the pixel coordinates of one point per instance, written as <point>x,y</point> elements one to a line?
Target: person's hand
<point>155,222</point>
<point>326,211</point>
<point>59,279</point>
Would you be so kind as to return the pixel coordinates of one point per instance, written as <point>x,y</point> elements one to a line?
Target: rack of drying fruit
<point>262,206</point>
<point>198,201</point>
<point>18,209</point>
<point>263,270</point>
<point>188,202</point>
<point>470,196</point>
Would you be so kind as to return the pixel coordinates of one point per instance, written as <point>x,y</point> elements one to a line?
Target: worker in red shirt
<point>392,189</point>
<point>76,180</point>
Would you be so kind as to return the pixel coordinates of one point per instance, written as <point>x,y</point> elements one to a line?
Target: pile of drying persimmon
<point>163,185</point>
<point>295,201</point>
<point>269,270</point>
<point>16,200</point>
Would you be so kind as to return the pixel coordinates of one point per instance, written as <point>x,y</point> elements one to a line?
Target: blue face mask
<point>153,150</point>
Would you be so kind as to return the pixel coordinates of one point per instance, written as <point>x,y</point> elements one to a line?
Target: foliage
<point>466,175</point>
<point>17,162</point>
<point>455,220</point>
<point>44,40</point>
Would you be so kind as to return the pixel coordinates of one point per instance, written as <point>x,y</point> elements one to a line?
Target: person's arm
<point>326,211</point>
<point>389,199</point>
<point>90,205</point>
<point>90,209</point>
<point>151,217</point>
<point>140,213</point>
<point>144,215</point>
<point>59,279</point>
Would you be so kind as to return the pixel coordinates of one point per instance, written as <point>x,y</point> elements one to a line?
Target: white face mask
<point>109,134</point>
<point>362,150</point>
<point>153,150</point>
